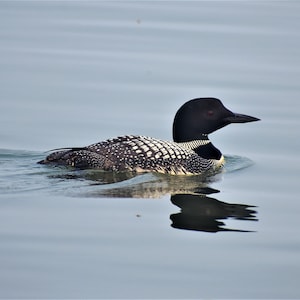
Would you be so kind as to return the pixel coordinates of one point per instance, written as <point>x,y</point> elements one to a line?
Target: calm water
<point>73,73</point>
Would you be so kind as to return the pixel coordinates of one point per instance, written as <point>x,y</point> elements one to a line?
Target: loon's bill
<point>191,151</point>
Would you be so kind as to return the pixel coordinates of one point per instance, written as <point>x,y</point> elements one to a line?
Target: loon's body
<point>139,154</point>
<point>190,153</point>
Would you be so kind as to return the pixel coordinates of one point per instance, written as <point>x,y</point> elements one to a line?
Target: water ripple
<point>21,173</point>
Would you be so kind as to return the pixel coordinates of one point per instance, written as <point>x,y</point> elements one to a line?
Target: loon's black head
<point>199,117</point>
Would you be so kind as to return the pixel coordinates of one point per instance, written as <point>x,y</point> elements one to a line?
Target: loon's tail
<point>59,157</point>
<point>81,158</point>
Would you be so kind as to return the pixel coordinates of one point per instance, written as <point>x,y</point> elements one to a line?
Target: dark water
<point>73,73</point>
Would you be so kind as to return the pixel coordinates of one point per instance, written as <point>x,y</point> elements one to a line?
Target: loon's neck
<point>209,151</point>
<point>203,148</point>
<point>188,137</point>
<point>194,144</point>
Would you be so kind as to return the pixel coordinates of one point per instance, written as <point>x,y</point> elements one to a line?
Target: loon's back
<point>190,153</point>
<point>138,154</point>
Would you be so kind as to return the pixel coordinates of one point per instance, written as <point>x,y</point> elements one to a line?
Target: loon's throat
<point>192,145</point>
<point>203,148</point>
<point>208,151</point>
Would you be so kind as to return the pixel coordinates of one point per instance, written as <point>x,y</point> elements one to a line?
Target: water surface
<point>74,73</point>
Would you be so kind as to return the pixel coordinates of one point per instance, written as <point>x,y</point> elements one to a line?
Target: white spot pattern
<point>140,154</point>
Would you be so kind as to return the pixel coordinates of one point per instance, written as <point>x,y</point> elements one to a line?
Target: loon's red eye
<point>210,113</point>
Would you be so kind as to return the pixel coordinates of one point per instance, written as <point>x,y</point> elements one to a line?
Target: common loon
<point>190,153</point>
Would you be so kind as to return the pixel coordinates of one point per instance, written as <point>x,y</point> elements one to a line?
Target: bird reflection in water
<point>198,211</point>
<point>202,213</point>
